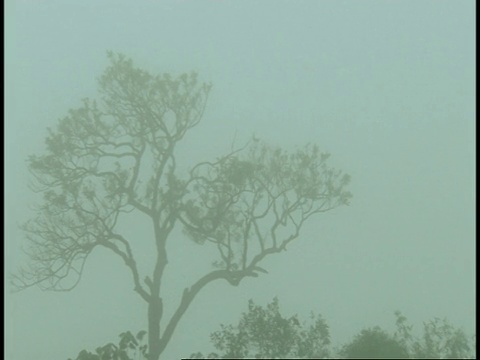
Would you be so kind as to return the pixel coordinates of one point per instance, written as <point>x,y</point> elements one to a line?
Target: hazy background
<point>386,86</point>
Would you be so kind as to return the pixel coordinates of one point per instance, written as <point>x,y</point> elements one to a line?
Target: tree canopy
<point>116,155</point>
<point>263,333</point>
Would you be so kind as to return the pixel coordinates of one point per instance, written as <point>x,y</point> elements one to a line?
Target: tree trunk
<point>155,309</point>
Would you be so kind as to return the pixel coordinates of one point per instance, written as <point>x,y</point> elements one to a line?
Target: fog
<point>386,87</point>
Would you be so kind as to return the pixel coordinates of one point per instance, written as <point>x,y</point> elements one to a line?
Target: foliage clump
<point>263,333</point>
<point>130,347</point>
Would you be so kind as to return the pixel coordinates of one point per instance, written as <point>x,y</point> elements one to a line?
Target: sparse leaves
<point>129,348</point>
<point>251,204</point>
<point>104,159</point>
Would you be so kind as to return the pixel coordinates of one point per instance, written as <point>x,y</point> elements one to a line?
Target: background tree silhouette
<point>264,333</point>
<point>374,343</point>
<point>111,157</point>
<point>439,340</point>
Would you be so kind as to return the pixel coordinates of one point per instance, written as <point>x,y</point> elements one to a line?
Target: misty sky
<point>387,87</point>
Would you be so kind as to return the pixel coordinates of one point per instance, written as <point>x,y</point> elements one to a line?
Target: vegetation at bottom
<point>264,333</point>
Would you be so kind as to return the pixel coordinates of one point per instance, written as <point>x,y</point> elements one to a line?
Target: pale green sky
<point>386,86</point>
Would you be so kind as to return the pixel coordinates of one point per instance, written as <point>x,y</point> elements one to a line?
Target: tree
<point>440,340</point>
<point>263,333</point>
<point>374,343</point>
<point>115,156</point>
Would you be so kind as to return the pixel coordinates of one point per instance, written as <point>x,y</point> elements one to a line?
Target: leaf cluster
<point>255,202</point>
<point>130,347</point>
<point>263,333</point>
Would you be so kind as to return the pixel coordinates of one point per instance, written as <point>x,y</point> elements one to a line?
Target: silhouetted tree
<point>110,157</point>
<point>440,340</point>
<point>374,343</point>
<point>263,333</point>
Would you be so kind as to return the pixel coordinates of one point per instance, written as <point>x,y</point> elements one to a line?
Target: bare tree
<point>108,158</point>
